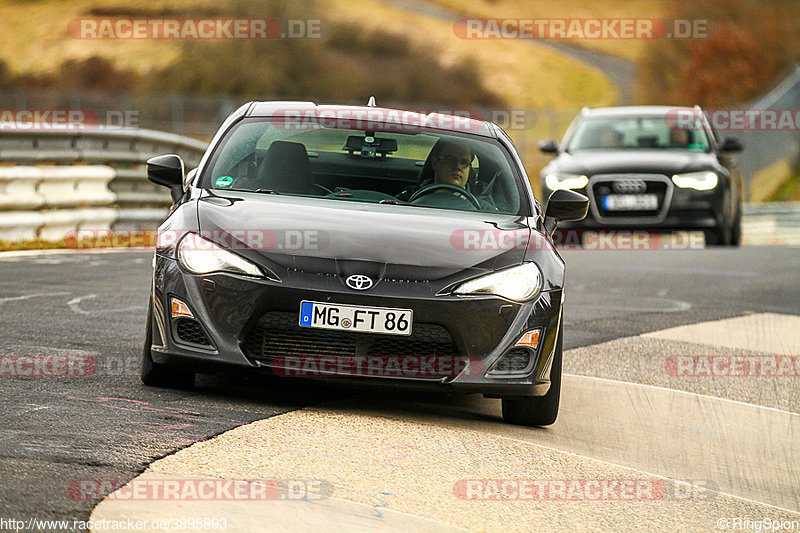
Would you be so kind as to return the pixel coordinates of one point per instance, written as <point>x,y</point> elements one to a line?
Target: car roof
<point>377,115</point>
<point>634,110</point>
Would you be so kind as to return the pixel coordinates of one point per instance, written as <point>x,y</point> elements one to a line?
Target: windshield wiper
<point>237,189</point>
<point>394,202</point>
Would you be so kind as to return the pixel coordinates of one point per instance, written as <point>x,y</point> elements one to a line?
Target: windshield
<point>414,168</point>
<point>636,132</point>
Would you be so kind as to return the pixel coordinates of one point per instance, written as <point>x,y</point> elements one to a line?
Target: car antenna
<point>371,102</point>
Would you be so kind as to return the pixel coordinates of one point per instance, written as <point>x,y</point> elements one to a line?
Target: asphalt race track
<point>626,314</point>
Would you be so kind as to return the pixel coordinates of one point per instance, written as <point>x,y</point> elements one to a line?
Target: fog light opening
<point>518,358</point>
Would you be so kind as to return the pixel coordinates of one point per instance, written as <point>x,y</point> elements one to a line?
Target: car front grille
<point>603,185</point>
<point>277,334</point>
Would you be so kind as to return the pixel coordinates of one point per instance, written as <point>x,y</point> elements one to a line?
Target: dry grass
<point>766,183</point>
<point>789,192</point>
<point>35,40</point>
<point>35,37</point>
<point>628,48</point>
<point>525,77</point>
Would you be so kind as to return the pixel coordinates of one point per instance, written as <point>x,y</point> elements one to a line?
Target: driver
<point>451,162</point>
<point>679,137</point>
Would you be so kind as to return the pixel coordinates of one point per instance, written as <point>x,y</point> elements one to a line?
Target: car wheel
<point>158,375</point>
<point>736,230</point>
<point>538,410</point>
<point>717,236</point>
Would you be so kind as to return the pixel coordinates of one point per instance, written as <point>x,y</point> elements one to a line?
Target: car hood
<point>591,162</point>
<point>344,237</point>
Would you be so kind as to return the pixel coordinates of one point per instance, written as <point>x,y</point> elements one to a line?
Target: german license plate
<point>356,318</point>
<point>630,202</point>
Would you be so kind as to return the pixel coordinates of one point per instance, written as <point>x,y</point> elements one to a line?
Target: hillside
<point>402,57</point>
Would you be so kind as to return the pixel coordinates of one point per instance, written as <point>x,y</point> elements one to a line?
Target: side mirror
<point>167,170</point>
<point>548,146</point>
<point>731,145</point>
<point>565,205</point>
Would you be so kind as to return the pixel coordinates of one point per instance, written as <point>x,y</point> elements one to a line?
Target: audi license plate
<point>356,318</point>
<point>630,202</point>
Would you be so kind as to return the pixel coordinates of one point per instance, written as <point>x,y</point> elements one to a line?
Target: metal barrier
<point>771,223</point>
<point>46,202</point>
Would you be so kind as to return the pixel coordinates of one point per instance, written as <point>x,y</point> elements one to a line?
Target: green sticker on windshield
<point>224,181</point>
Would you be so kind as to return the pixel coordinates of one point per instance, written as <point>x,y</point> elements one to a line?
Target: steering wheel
<point>428,189</point>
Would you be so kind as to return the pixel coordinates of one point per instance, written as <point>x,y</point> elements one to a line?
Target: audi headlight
<point>561,180</point>
<point>701,181</point>
<point>201,256</point>
<point>520,283</point>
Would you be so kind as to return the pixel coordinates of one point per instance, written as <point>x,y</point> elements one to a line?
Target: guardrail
<point>771,223</point>
<point>72,191</point>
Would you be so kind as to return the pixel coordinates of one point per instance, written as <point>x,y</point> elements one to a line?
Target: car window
<point>366,166</point>
<point>637,132</point>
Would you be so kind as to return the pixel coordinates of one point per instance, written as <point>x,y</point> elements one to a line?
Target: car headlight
<point>561,180</point>
<point>201,256</point>
<point>519,283</point>
<point>701,181</point>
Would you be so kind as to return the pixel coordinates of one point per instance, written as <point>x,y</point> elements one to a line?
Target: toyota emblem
<point>359,282</point>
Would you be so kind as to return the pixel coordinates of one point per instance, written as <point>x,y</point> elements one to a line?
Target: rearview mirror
<point>548,146</point>
<point>565,205</point>
<point>167,170</point>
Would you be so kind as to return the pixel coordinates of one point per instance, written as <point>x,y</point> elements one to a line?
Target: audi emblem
<point>629,186</point>
<point>359,282</point>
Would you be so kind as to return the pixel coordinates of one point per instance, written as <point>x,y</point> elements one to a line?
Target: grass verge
<point>569,9</point>
<point>789,191</point>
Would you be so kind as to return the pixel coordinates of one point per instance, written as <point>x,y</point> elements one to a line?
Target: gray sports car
<point>361,244</point>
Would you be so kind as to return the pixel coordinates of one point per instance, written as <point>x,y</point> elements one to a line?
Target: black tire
<point>158,375</point>
<point>736,230</point>
<point>538,410</point>
<point>717,236</point>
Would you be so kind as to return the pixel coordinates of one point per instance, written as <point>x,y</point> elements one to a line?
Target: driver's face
<point>451,166</point>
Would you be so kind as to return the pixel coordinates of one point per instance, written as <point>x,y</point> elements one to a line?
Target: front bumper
<point>230,308</point>
<point>679,210</point>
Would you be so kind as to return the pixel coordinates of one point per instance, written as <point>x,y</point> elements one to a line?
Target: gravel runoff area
<point>393,465</point>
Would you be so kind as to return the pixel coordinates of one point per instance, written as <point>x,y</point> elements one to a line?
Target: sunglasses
<point>462,163</point>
